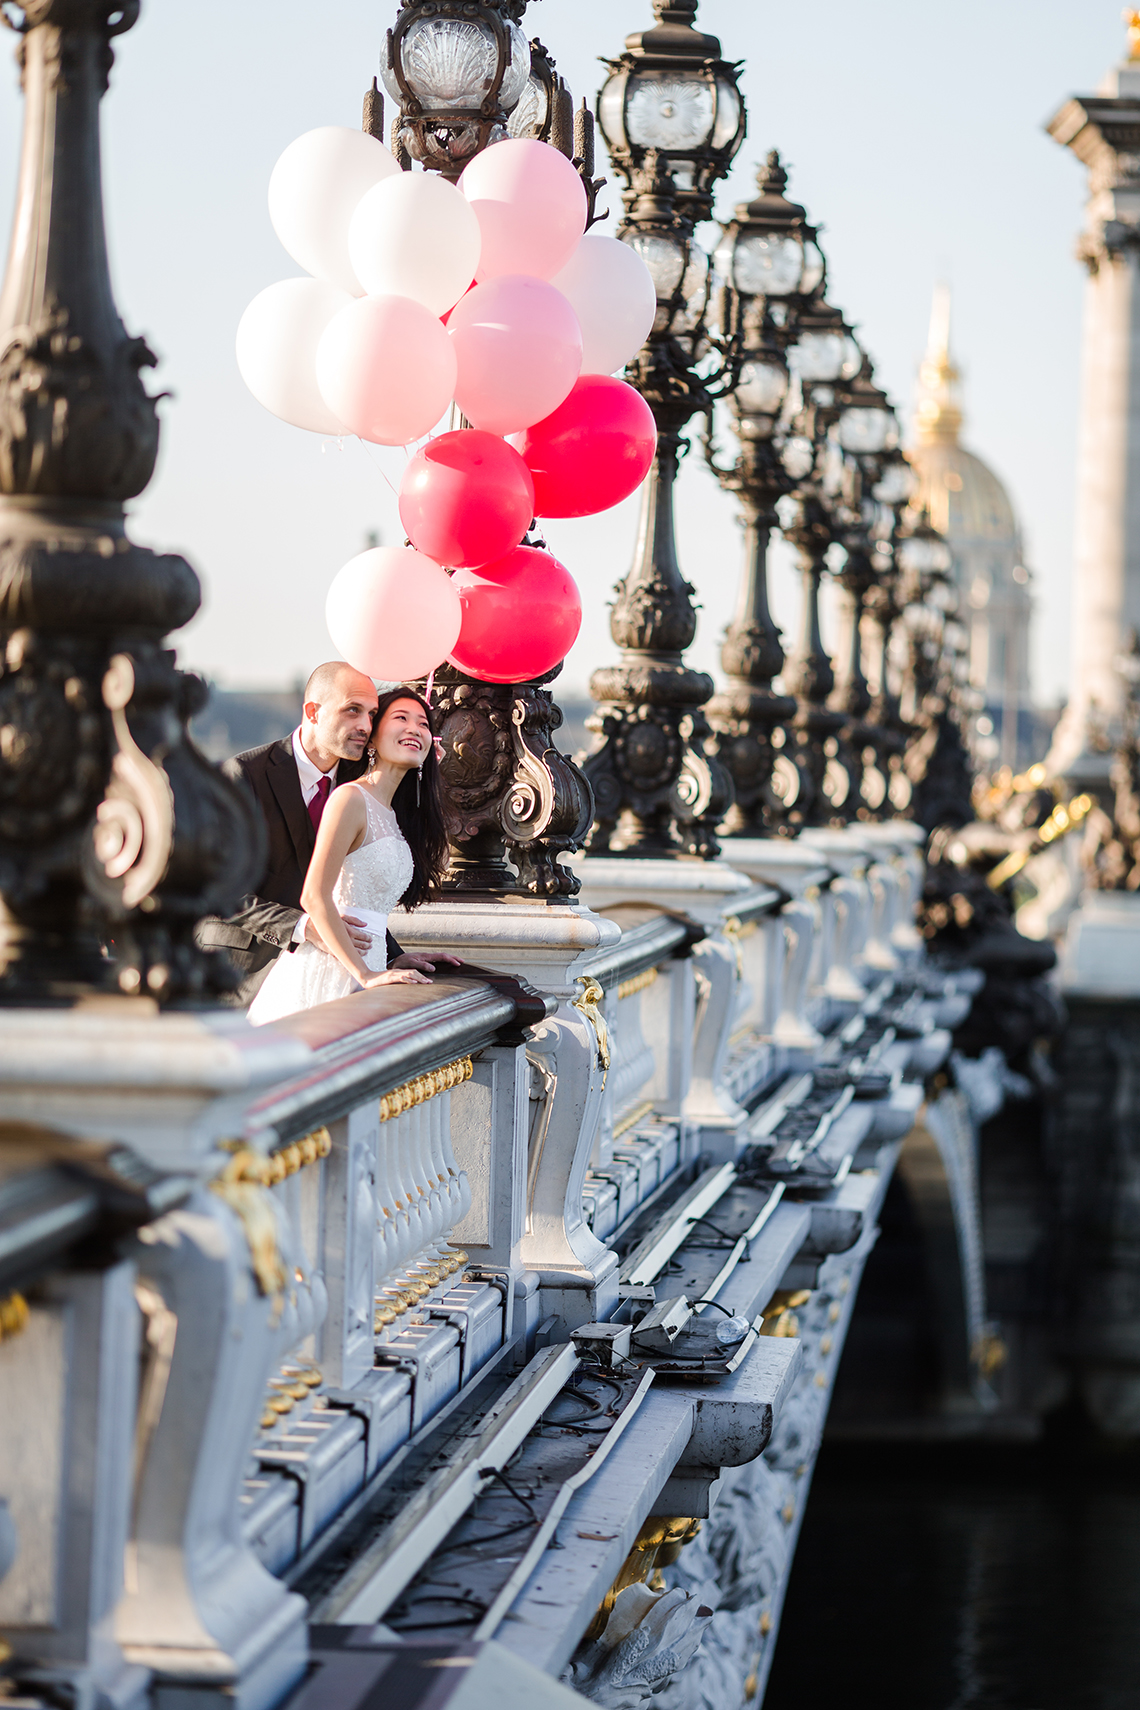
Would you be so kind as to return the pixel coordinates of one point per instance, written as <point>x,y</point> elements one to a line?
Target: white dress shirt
<point>310,776</point>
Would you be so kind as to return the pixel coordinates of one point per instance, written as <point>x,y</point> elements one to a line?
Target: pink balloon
<point>466,498</point>
<point>393,613</point>
<point>390,367</point>
<point>531,208</point>
<point>518,348</point>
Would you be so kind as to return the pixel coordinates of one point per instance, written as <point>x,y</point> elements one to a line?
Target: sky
<point>913,133</point>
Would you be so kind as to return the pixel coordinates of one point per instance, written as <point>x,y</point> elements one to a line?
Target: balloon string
<point>374,460</point>
<point>430,681</point>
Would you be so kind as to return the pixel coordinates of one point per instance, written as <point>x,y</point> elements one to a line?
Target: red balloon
<point>521,617</point>
<point>466,498</point>
<point>592,452</point>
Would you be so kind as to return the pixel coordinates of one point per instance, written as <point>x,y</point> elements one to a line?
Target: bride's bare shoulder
<point>345,810</point>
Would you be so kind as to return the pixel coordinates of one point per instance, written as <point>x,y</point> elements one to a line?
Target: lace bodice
<point>375,876</point>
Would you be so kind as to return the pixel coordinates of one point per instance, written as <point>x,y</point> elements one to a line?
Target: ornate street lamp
<point>112,825</point>
<point>659,788</point>
<point>465,77</point>
<point>771,265</point>
<point>867,434</point>
<point>672,94</point>
<point>457,70</point>
<point>937,766</point>
<point>823,357</point>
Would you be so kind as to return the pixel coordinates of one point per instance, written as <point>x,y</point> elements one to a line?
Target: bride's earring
<point>419,781</point>
<point>370,756</point>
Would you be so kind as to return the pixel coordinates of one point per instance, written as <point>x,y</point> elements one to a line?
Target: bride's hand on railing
<point>397,977</point>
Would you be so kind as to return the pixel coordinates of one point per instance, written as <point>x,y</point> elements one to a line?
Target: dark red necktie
<point>317,804</point>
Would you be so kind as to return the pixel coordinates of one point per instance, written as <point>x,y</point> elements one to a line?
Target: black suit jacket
<point>262,928</point>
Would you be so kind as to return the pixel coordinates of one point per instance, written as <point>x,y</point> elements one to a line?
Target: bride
<point>382,841</point>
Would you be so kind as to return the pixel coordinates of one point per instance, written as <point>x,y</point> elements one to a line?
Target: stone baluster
<point>198,1604</point>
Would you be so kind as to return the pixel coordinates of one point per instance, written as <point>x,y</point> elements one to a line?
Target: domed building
<point>970,506</point>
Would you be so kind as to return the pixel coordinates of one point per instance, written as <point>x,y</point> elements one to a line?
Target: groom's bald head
<point>339,707</point>
<point>325,682</point>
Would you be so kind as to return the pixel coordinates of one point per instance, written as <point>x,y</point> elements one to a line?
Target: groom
<point>292,780</point>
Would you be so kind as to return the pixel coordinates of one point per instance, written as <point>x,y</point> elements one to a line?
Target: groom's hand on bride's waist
<point>422,962</point>
<point>355,927</point>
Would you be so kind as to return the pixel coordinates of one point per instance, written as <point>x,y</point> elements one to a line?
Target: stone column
<point>1102,131</point>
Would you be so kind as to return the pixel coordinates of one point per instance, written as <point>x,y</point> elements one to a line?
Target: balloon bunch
<point>489,297</point>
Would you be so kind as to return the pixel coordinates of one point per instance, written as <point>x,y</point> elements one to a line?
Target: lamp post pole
<point>112,825</point>
<point>673,119</point>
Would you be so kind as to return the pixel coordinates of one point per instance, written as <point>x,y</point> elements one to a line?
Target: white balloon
<point>313,193</point>
<point>613,295</point>
<point>415,236</point>
<point>393,613</point>
<point>277,341</point>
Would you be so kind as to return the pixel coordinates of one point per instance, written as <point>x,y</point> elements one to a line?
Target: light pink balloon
<point>531,208</point>
<point>393,613</point>
<point>386,368</point>
<point>519,351</point>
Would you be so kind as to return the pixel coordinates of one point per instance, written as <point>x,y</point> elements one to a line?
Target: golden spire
<point>938,419</point>
<point>1132,19</point>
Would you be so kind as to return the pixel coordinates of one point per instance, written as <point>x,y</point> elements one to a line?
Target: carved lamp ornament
<point>112,826</point>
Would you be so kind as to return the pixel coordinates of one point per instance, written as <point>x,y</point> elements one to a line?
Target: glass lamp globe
<point>532,113</point>
<point>867,431</point>
<point>683,111</point>
<point>762,264</point>
<point>818,356</point>
<point>943,595</point>
<point>762,387</point>
<point>450,64</point>
<point>924,553</point>
<point>815,269</point>
<point>798,457</point>
<point>896,484</point>
<point>679,268</point>
<point>664,256</point>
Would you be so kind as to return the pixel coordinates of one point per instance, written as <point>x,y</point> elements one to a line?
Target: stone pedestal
<point>727,903</point>
<point>800,871</point>
<point>550,945</point>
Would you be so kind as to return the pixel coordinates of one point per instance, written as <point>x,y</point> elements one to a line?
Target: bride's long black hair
<point>419,808</point>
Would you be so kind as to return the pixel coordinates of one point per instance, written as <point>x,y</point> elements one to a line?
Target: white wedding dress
<point>372,880</point>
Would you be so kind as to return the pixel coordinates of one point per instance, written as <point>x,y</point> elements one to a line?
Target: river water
<point>988,1578</point>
